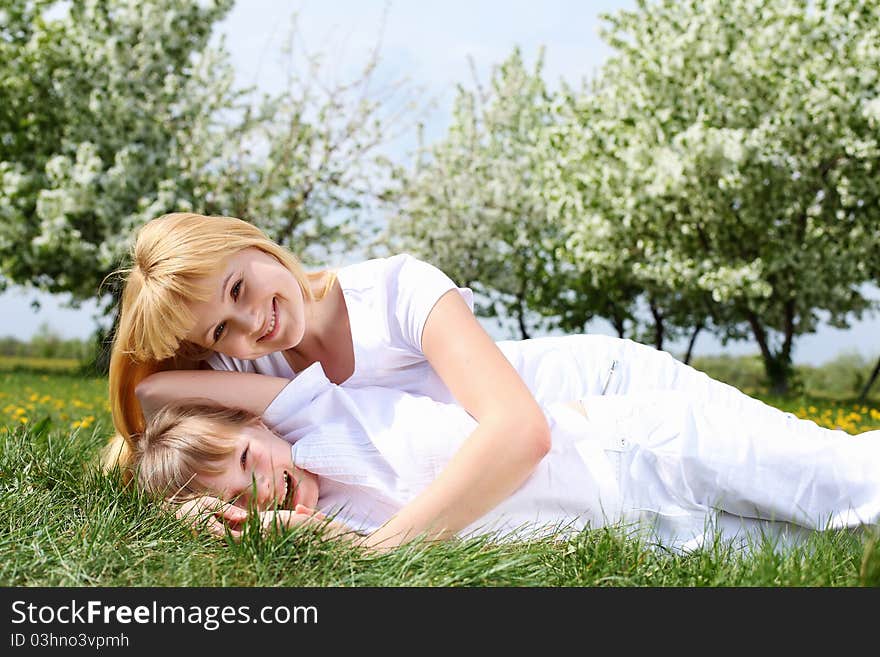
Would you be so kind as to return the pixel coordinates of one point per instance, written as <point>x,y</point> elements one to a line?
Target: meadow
<point>62,523</point>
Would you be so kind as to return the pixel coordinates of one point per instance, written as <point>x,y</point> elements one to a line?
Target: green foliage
<point>841,378</point>
<point>46,343</point>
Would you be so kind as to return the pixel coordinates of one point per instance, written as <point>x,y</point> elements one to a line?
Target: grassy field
<point>62,524</point>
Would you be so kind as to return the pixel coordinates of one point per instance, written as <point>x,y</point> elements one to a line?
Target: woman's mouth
<point>273,324</point>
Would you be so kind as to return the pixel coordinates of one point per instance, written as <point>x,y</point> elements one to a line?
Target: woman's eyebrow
<point>209,332</point>
<point>224,284</point>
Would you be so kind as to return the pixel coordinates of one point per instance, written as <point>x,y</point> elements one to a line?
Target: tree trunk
<point>871,379</point>
<point>777,367</point>
<point>658,326</point>
<point>521,320</point>
<point>100,363</point>
<point>691,343</point>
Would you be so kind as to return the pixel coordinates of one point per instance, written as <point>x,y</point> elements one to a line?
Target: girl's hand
<point>213,514</point>
<point>303,515</point>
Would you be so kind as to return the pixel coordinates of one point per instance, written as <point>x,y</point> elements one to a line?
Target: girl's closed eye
<point>244,454</point>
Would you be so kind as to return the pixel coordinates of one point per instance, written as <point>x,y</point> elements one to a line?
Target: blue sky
<point>428,42</point>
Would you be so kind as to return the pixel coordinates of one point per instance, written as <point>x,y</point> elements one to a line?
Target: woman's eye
<point>218,332</point>
<point>236,289</point>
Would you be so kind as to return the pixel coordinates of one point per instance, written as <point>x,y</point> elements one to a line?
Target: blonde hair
<point>169,261</point>
<point>183,440</point>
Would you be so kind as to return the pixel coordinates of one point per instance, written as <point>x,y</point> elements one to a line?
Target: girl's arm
<point>510,441</point>
<point>246,390</point>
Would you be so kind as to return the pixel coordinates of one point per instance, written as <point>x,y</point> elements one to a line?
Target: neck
<point>319,315</point>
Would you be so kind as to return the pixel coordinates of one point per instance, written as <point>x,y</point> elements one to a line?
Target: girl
<point>677,469</point>
<point>215,293</point>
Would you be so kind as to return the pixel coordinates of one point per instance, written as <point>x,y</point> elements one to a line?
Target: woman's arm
<point>510,441</point>
<point>246,390</point>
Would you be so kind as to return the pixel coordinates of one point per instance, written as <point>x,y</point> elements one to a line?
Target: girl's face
<point>256,307</point>
<point>260,471</point>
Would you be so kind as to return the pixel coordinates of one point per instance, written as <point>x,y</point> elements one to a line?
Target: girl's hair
<point>182,440</point>
<point>169,260</point>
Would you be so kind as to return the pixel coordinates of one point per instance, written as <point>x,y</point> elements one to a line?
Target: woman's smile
<point>258,308</point>
<point>274,324</point>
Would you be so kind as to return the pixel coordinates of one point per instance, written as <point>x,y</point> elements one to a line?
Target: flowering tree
<point>117,111</point>
<point>104,110</point>
<point>739,159</point>
<point>307,165</point>
<point>474,204</point>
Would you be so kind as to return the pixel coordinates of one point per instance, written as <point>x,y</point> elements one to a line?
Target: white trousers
<point>693,453</point>
<point>679,460</point>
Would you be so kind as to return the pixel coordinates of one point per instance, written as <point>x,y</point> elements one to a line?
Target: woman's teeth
<point>271,323</point>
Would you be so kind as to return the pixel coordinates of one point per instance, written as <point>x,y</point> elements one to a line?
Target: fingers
<point>233,514</point>
<point>304,510</point>
<point>214,516</point>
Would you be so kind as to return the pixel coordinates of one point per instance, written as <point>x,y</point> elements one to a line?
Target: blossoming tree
<point>474,203</point>
<point>114,112</point>
<point>740,155</point>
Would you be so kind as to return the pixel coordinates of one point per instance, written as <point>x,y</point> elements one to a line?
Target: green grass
<point>63,524</point>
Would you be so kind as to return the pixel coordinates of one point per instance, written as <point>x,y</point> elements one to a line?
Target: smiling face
<point>260,471</point>
<point>256,306</point>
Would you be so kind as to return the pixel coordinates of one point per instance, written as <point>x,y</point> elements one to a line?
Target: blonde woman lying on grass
<point>680,470</point>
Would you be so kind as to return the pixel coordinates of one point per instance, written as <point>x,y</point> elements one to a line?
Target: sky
<point>429,42</point>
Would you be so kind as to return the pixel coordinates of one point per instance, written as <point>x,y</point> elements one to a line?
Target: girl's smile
<point>260,471</point>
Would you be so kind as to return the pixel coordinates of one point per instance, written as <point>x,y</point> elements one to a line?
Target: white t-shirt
<point>374,449</point>
<point>388,302</point>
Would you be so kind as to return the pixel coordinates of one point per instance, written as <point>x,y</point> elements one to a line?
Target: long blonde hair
<point>169,261</point>
<point>183,440</point>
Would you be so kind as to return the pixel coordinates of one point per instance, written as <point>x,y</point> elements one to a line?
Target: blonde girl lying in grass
<point>681,470</point>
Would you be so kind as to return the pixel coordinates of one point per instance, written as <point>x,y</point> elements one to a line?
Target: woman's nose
<point>249,321</point>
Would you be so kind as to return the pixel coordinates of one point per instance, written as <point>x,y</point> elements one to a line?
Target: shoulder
<point>400,270</point>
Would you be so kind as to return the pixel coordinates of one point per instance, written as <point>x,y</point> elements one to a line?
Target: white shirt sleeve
<point>414,287</point>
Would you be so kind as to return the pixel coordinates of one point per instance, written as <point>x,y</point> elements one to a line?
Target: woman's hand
<point>213,514</point>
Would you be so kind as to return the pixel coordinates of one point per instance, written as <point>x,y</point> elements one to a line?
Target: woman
<point>215,292</point>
